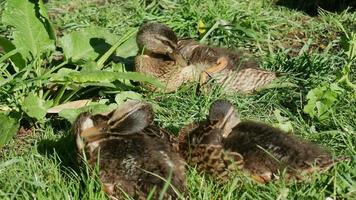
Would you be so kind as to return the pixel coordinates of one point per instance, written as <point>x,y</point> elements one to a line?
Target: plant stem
<point>71,94</point>
<point>215,26</point>
<point>60,94</point>
<point>56,67</point>
<point>107,54</point>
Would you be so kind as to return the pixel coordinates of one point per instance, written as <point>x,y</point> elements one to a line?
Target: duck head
<point>156,39</point>
<point>221,120</point>
<point>130,118</point>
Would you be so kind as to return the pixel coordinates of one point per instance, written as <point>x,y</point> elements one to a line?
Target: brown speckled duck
<point>158,57</point>
<point>134,156</point>
<point>201,144</point>
<point>259,149</point>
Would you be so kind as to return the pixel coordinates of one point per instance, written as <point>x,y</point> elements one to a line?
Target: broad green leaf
<point>36,107</point>
<point>86,44</point>
<point>89,65</point>
<point>76,47</point>
<point>71,114</point>
<point>128,48</point>
<point>47,22</point>
<point>8,127</point>
<point>102,76</point>
<point>69,105</point>
<point>16,59</point>
<point>29,34</point>
<point>118,67</point>
<point>321,100</point>
<point>109,52</point>
<point>100,84</point>
<point>122,96</point>
<point>62,75</point>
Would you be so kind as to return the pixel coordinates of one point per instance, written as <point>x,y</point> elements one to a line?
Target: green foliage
<point>321,100</point>
<point>283,122</point>
<point>29,35</point>
<point>71,114</point>
<point>34,81</point>
<point>123,96</point>
<point>86,44</point>
<point>8,127</point>
<point>308,50</point>
<point>125,39</point>
<point>16,59</point>
<point>36,107</point>
<point>129,48</point>
<point>97,76</point>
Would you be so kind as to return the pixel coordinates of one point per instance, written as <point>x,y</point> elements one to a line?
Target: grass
<point>309,50</point>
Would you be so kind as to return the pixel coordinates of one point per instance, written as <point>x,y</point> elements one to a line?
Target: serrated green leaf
<point>122,96</point>
<point>321,99</point>
<point>71,114</point>
<point>86,44</point>
<point>8,127</point>
<point>62,75</point>
<point>29,34</point>
<point>16,59</point>
<point>309,108</point>
<point>108,76</point>
<point>35,107</point>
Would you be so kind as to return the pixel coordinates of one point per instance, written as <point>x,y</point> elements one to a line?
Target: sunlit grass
<point>308,50</point>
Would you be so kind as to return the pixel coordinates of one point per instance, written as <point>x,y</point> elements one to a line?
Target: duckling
<point>232,69</point>
<point>265,152</point>
<point>201,145</point>
<point>159,57</point>
<point>177,61</point>
<point>134,156</point>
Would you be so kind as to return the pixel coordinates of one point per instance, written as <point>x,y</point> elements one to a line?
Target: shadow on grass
<point>64,148</point>
<point>311,6</point>
<point>101,47</point>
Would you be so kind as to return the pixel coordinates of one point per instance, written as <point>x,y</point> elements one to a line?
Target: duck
<point>223,143</point>
<point>160,57</point>
<point>201,144</point>
<point>232,69</point>
<point>135,157</point>
<point>175,61</point>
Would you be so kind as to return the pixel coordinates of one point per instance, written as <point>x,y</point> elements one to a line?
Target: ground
<point>308,50</point>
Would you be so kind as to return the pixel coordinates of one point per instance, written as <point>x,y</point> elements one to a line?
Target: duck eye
<point>168,43</point>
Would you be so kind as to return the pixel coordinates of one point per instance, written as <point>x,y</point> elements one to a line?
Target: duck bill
<point>178,58</point>
<point>90,132</point>
<point>229,122</point>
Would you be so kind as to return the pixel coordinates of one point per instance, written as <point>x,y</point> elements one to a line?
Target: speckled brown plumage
<point>195,53</point>
<point>268,152</point>
<point>158,56</point>
<point>239,74</point>
<point>132,153</point>
<point>263,151</point>
<point>167,71</point>
<point>200,144</point>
